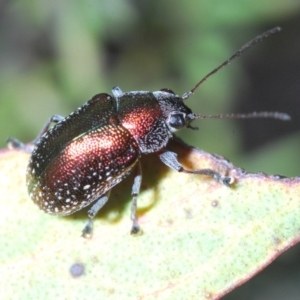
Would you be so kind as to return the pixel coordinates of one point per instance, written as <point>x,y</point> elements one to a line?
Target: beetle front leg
<point>169,158</point>
<point>16,144</point>
<point>88,229</point>
<point>135,229</point>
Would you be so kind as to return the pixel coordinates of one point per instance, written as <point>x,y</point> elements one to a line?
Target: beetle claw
<point>227,181</point>
<point>135,229</point>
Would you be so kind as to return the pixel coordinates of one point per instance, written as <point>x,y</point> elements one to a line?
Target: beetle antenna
<point>257,39</point>
<point>263,114</point>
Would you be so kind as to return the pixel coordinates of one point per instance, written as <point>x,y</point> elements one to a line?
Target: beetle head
<point>176,113</point>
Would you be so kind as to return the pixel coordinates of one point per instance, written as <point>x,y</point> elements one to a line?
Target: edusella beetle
<point>83,156</point>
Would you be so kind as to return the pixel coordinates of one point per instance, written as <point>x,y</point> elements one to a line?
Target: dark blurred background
<point>54,56</point>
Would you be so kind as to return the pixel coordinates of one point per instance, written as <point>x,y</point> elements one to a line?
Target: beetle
<point>83,156</point>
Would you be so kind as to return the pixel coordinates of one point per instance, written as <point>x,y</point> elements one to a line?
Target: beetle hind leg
<point>88,229</point>
<point>16,144</point>
<point>13,143</point>
<point>54,119</point>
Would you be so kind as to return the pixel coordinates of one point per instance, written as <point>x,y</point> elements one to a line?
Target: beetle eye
<point>177,121</point>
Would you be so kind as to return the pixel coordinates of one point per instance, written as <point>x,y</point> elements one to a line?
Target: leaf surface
<point>200,239</point>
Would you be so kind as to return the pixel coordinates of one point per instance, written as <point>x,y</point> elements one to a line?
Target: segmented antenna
<point>235,55</point>
<point>262,114</point>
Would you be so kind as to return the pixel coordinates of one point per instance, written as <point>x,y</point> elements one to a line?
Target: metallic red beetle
<point>78,160</point>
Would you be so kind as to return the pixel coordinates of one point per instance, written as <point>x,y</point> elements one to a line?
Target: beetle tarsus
<point>87,231</point>
<point>135,229</point>
<point>13,143</point>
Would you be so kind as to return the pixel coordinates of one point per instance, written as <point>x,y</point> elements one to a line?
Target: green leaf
<point>200,239</point>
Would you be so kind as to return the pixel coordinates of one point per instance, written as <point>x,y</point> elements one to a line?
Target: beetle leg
<point>169,158</point>
<point>53,119</point>
<point>13,143</point>
<point>88,229</point>
<point>135,229</point>
<point>16,144</point>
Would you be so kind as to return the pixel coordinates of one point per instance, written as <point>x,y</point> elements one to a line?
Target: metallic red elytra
<point>77,161</point>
